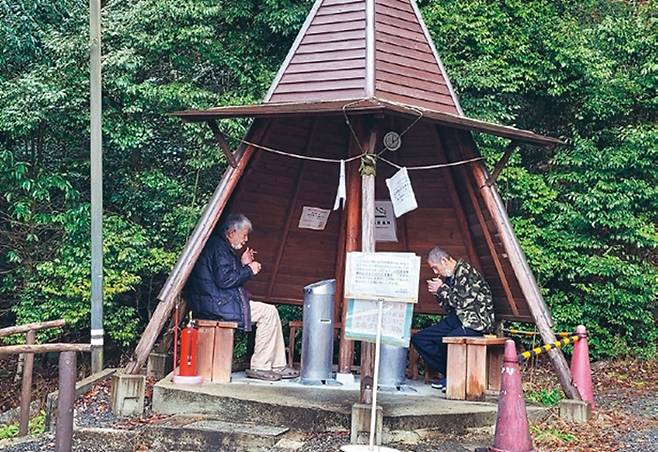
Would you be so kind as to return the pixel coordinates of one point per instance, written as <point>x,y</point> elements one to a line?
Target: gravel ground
<point>39,444</point>
<point>626,419</point>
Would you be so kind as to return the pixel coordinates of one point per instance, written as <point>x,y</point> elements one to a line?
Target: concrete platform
<point>290,404</point>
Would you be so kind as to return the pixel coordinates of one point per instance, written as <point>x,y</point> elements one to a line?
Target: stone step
<point>322,408</point>
<point>181,433</point>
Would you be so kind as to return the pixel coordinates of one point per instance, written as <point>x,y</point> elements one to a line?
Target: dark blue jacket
<point>214,289</point>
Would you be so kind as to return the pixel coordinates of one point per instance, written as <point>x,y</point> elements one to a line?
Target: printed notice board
<point>382,276</point>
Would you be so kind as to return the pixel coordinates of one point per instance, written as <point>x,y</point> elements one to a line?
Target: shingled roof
<point>351,49</point>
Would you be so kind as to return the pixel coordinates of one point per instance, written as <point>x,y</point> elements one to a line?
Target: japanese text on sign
<point>313,218</point>
<point>382,276</point>
<point>385,222</point>
<point>361,322</point>
<point>402,194</point>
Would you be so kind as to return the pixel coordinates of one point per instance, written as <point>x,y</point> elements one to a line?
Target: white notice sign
<point>402,195</point>
<point>385,222</point>
<point>382,276</point>
<point>361,322</point>
<point>313,218</point>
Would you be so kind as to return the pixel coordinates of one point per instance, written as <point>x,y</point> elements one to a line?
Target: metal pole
<point>65,399</point>
<point>378,343</point>
<point>96,187</point>
<point>26,389</point>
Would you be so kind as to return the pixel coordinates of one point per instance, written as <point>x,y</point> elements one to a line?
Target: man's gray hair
<point>436,254</point>
<point>237,222</point>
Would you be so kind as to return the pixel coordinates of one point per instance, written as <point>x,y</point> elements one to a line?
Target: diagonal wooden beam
<point>223,144</point>
<point>507,153</point>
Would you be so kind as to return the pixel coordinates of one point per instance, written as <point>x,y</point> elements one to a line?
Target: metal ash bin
<point>318,333</point>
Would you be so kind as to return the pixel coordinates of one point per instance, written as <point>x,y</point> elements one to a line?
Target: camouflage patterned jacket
<point>470,296</point>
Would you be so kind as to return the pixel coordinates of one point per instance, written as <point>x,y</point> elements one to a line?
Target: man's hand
<point>255,267</point>
<point>433,285</point>
<point>248,256</point>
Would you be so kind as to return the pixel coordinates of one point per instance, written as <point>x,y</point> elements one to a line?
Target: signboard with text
<point>382,276</point>
<point>391,278</point>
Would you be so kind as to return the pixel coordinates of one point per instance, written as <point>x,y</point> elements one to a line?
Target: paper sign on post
<point>361,322</point>
<point>385,222</point>
<point>402,194</point>
<point>382,276</point>
<point>313,218</point>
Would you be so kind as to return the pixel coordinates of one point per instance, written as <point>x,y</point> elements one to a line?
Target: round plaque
<point>392,141</point>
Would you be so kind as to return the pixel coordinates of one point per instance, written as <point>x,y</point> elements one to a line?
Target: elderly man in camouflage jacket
<point>466,296</point>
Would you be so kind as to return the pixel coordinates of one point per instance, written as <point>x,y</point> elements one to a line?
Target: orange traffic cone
<point>512,433</point>
<point>581,373</point>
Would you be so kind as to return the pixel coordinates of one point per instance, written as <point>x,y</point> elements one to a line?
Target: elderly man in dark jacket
<point>215,291</point>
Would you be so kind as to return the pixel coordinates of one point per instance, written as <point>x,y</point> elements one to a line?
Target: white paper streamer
<point>341,194</point>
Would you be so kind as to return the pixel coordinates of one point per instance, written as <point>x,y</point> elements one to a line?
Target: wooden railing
<point>67,376</point>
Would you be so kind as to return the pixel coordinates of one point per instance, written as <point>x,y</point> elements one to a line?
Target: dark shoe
<point>265,375</point>
<point>440,384</point>
<point>286,373</point>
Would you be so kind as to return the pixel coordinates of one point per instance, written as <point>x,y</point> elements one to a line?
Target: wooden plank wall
<point>275,188</point>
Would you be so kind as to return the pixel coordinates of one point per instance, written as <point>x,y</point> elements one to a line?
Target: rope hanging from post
<point>547,347</point>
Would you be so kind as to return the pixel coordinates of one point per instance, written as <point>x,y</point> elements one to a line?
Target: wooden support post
<point>223,144</point>
<point>65,401</point>
<point>26,389</point>
<point>518,262</point>
<point>352,243</point>
<point>192,250</point>
<point>368,246</point>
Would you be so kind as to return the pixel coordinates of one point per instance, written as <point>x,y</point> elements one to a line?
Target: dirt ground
<point>626,417</point>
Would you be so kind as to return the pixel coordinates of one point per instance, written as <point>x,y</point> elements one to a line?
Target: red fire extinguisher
<point>188,349</point>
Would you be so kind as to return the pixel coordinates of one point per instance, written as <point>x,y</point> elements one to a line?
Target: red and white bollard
<point>581,373</point>
<point>512,432</point>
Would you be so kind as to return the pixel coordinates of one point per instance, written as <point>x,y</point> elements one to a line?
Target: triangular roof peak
<point>351,49</point>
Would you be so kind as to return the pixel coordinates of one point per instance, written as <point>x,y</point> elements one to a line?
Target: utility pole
<point>96,156</point>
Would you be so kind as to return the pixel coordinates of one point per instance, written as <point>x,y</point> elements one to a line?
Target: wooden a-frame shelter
<point>357,69</point>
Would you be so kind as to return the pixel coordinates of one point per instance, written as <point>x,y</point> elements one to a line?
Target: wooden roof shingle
<point>351,49</point>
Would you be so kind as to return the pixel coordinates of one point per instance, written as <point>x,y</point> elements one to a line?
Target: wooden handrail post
<point>65,400</point>
<point>26,389</point>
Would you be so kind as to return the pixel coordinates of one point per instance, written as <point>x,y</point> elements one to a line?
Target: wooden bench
<point>474,366</point>
<point>215,350</point>
<point>297,325</point>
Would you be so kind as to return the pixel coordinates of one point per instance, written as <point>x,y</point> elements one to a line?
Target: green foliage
<point>36,426</point>
<point>585,213</point>
<point>546,397</point>
<point>551,435</point>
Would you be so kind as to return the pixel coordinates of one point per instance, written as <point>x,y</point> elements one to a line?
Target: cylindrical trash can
<point>318,333</point>
<point>392,367</point>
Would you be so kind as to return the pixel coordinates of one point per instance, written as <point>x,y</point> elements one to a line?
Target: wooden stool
<point>215,350</point>
<point>297,325</point>
<point>474,366</point>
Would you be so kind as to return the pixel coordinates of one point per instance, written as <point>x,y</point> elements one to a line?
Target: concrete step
<point>321,408</point>
<point>181,433</point>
